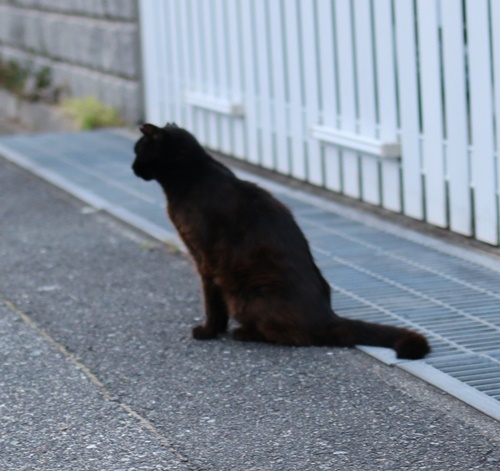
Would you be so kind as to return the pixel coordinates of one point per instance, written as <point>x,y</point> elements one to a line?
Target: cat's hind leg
<point>248,333</point>
<point>216,314</point>
<point>271,320</point>
<point>271,334</point>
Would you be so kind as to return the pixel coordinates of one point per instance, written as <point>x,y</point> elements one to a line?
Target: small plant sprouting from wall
<point>90,113</point>
<point>12,76</point>
<point>27,82</point>
<point>43,78</point>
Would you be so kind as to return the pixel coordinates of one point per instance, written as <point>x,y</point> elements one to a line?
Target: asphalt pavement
<point>99,372</point>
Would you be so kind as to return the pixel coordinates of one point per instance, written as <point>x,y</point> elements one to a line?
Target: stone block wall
<point>92,46</point>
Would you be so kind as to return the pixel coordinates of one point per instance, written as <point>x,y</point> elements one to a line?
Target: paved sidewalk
<point>114,381</point>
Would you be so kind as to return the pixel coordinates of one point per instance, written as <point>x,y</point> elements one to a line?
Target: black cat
<point>253,259</point>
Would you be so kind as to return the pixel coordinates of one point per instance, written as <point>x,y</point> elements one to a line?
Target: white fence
<point>389,101</point>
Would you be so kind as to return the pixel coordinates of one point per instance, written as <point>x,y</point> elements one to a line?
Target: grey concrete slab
<point>123,305</point>
<point>54,417</point>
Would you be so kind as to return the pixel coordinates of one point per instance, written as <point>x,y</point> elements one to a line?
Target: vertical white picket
<point>432,113</point>
<point>186,79</point>
<point>180,78</point>
<point>174,49</point>
<point>409,109</point>
<point>387,104</point>
<point>495,29</point>
<point>238,146</point>
<point>221,46</point>
<point>365,79</point>
<point>251,115</point>
<point>311,89</point>
<point>279,86</point>
<point>199,124</point>
<point>147,14</point>
<point>264,71</point>
<point>348,118</point>
<point>481,104</point>
<point>163,61</point>
<point>457,152</point>
<point>158,76</point>
<point>327,55</point>
<point>210,64</point>
<point>295,89</point>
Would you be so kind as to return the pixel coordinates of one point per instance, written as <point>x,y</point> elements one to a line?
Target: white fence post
<point>294,71</point>
<point>329,86</point>
<point>365,81</point>
<point>432,113</point>
<point>495,29</point>
<point>457,133</point>
<point>409,108</point>
<point>481,104</point>
<point>387,100</point>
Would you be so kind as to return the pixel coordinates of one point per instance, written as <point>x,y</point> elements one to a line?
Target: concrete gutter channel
<point>98,370</point>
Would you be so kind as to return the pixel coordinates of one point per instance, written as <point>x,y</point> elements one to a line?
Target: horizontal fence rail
<point>395,103</point>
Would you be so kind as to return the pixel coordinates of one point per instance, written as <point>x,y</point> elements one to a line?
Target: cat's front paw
<point>202,332</point>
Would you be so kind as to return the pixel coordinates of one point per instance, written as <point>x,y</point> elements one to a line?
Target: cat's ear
<point>149,129</point>
<point>171,125</point>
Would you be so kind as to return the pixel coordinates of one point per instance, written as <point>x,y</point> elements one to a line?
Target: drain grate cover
<point>378,272</point>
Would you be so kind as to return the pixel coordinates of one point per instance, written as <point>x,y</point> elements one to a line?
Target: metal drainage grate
<point>379,272</point>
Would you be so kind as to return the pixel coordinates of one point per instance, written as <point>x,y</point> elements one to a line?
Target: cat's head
<point>158,148</point>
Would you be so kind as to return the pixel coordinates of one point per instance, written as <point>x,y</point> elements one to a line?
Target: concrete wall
<point>90,45</point>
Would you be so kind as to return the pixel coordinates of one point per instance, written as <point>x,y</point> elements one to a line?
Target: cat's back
<point>265,223</point>
<point>228,210</point>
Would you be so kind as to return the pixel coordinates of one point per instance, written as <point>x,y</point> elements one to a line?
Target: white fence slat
<point>197,52</point>
<point>495,28</point>
<point>432,113</point>
<point>238,126</point>
<point>279,87</point>
<point>265,99</point>
<point>311,90</point>
<point>187,82</point>
<point>163,61</point>
<point>199,69</point>
<point>348,118</point>
<point>295,90</point>
<point>250,95</point>
<point>221,34</point>
<point>211,70</point>
<point>386,92</point>
<point>456,117</point>
<point>179,78</point>
<point>481,104</point>
<point>409,110</point>
<point>158,58</point>
<point>365,76</point>
<point>148,32</point>
<point>174,49</point>
<point>329,104</point>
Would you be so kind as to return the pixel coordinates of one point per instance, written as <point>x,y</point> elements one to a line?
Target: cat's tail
<point>407,343</point>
